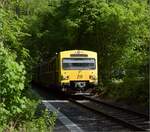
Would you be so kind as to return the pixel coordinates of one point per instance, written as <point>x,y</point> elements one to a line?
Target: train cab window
<point>78,63</point>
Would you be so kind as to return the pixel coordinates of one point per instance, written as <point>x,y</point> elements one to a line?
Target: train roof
<point>77,51</point>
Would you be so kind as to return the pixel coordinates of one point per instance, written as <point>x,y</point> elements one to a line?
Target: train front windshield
<point>78,63</point>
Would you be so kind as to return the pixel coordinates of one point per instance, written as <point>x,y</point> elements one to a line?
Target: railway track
<point>130,119</point>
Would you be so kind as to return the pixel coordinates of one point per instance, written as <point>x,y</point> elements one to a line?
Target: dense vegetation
<point>17,106</point>
<point>118,30</point>
<point>32,31</point>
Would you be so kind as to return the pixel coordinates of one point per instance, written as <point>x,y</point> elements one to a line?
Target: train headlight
<point>64,77</point>
<point>92,77</point>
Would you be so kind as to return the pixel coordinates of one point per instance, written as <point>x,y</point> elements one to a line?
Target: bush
<point>17,112</point>
<point>44,123</point>
<point>12,78</point>
<point>130,90</point>
<point>34,119</point>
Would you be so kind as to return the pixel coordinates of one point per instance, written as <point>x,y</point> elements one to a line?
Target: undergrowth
<point>132,91</point>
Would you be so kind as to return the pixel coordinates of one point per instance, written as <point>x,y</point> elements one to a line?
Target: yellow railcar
<point>72,69</point>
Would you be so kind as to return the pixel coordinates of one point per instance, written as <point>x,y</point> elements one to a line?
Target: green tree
<point>117,29</point>
<point>12,78</point>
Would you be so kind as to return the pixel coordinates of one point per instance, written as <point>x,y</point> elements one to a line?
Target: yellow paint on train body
<point>86,73</point>
<point>71,68</point>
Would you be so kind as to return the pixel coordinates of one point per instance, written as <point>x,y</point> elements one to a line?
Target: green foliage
<point>34,30</point>
<point>131,90</point>
<point>15,63</point>
<point>12,35</point>
<point>16,111</point>
<point>12,77</point>
<point>119,30</point>
<point>44,123</point>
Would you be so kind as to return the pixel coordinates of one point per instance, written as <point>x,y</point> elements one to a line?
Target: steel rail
<point>117,107</point>
<point>120,121</point>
